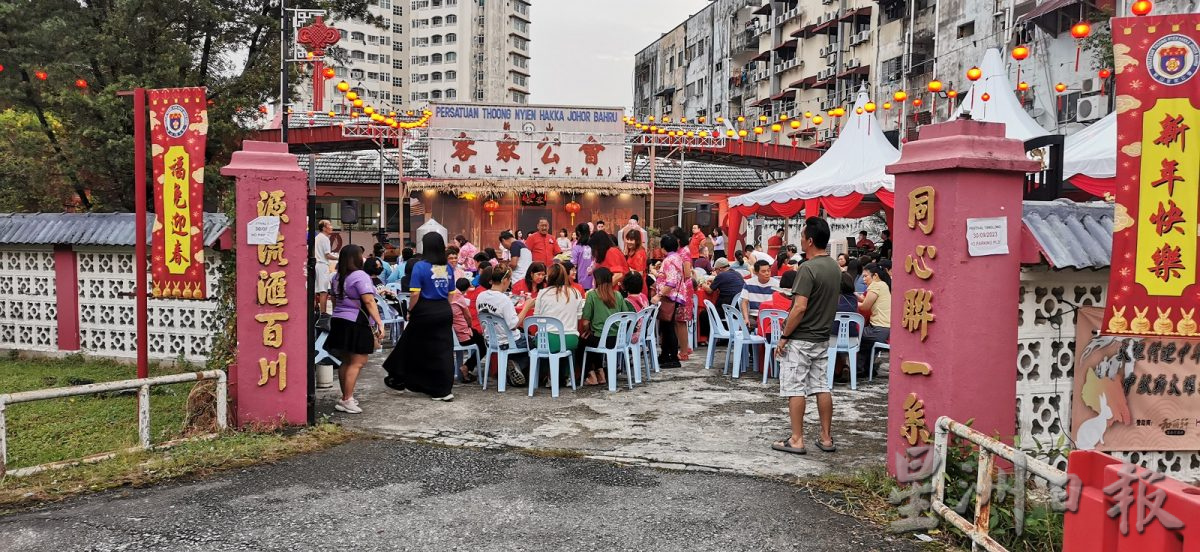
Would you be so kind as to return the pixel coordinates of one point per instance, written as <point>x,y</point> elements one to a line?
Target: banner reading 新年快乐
<point>1132,392</point>
<point>1153,288</point>
<point>178,130</point>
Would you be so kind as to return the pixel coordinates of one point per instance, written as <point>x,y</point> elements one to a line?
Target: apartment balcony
<point>857,15</point>
<point>788,16</point>
<point>788,64</point>
<point>852,67</point>
<point>744,42</point>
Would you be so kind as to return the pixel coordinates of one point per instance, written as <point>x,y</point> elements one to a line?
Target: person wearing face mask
<point>877,301</point>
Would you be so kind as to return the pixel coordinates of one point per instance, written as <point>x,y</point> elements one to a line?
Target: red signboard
<point>1153,288</point>
<point>178,128</point>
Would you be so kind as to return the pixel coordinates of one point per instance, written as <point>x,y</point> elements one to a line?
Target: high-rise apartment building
<point>430,50</point>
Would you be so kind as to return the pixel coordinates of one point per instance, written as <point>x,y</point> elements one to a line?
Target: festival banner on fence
<point>1134,393</point>
<point>178,129</point>
<point>527,141</point>
<point>1153,287</point>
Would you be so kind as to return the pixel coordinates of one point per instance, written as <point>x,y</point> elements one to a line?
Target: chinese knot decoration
<point>317,37</point>
<point>572,208</point>
<point>490,207</point>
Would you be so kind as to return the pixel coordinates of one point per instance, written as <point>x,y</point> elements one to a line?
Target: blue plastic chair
<point>321,353</point>
<point>877,346</point>
<point>740,338</point>
<point>493,328</point>
<point>621,350</point>
<point>546,326</point>
<point>642,347</point>
<point>462,353</point>
<point>775,320</point>
<point>844,343</point>
<point>716,330</point>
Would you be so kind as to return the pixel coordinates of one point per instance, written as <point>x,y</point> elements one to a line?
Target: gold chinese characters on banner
<point>272,291</point>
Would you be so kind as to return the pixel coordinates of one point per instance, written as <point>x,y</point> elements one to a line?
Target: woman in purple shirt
<point>350,329</point>
<point>581,256</point>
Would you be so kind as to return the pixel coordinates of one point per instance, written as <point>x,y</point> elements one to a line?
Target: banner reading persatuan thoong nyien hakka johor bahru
<point>178,128</point>
<point>1152,288</point>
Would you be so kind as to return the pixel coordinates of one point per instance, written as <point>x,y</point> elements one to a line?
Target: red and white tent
<point>1002,106</point>
<point>838,181</point>
<point>1090,157</point>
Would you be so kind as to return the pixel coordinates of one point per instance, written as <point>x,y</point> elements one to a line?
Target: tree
<point>30,177</point>
<point>229,46</point>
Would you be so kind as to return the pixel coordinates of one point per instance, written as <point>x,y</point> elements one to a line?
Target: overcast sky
<point>583,49</point>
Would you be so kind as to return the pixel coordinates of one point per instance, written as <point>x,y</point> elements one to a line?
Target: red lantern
<point>1081,30</point>
<point>1022,86</point>
<point>985,97</point>
<point>900,96</point>
<point>81,84</point>
<point>41,75</point>
<point>490,207</point>
<point>887,105</point>
<point>572,207</point>
<point>870,107</point>
<point>917,102</point>
<point>1020,53</point>
<point>759,130</point>
<point>1060,87</point>
<point>1,68</point>
<point>1105,73</point>
<point>262,109</point>
<point>329,72</point>
<point>1141,7</point>
<point>858,110</point>
<point>974,73</point>
<point>935,86</point>
<point>952,94</point>
<point>795,124</point>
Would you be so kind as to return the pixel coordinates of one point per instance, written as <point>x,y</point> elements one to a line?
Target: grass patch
<point>196,458</point>
<point>861,494</point>
<point>73,427</point>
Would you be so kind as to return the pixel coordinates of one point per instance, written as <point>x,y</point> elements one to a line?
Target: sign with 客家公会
<point>1153,281</point>
<point>1133,392</point>
<point>178,129</point>
<point>987,236</point>
<point>527,142</point>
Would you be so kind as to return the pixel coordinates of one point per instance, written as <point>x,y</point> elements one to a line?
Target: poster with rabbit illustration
<point>1134,393</point>
<point>1154,285</point>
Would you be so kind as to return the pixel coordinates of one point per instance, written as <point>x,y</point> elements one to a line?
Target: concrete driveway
<point>685,418</point>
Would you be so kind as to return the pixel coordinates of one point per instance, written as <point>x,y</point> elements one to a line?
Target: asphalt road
<point>391,495</point>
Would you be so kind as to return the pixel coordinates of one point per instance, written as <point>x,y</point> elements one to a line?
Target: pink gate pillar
<point>954,311</point>
<point>269,381</point>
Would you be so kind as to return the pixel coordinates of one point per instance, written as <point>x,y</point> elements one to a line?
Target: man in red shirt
<point>542,245</point>
<point>696,241</point>
<point>775,243</point>
<point>863,243</point>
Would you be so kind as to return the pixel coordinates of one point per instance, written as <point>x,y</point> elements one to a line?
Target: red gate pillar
<point>954,303</point>
<point>270,379</point>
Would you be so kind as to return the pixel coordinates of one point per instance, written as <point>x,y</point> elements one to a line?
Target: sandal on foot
<point>786,446</point>
<point>827,448</point>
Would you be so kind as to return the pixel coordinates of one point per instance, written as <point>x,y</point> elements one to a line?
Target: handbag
<point>666,310</point>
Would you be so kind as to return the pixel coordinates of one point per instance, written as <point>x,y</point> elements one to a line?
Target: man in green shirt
<point>804,350</point>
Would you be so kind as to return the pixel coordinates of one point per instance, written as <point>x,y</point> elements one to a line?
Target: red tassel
<point>1078,47</point>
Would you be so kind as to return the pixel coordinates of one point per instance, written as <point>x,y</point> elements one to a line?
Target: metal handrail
<point>989,448</point>
<point>143,386</point>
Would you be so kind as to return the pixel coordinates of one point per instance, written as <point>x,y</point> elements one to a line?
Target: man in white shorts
<point>804,350</point>
<point>324,254</point>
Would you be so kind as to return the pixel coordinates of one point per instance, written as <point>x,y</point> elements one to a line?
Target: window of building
<point>435,58</point>
<point>436,76</point>
<point>357,54</point>
<point>343,33</point>
<point>357,36</point>
<point>356,74</point>
<point>397,64</point>
<point>451,57</point>
<point>451,38</point>
<point>523,44</point>
<point>435,4</point>
<point>451,19</point>
<point>520,97</point>
<point>373,58</point>
<point>397,28</point>
<point>451,75</point>
<point>435,39</point>
<point>966,29</point>
<point>436,21</point>
<point>436,94</point>
<point>451,93</point>
<point>397,81</point>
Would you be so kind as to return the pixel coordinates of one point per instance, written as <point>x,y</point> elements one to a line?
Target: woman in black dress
<point>423,360</point>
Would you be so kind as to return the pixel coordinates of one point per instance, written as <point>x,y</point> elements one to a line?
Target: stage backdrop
<point>481,141</point>
<point>178,129</point>
<point>1153,291</point>
<point>1134,393</point>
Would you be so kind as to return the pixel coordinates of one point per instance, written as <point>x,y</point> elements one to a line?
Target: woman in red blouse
<point>605,254</point>
<point>635,254</point>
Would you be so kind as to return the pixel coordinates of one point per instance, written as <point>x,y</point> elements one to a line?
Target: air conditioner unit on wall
<point>1091,85</point>
<point>1091,108</point>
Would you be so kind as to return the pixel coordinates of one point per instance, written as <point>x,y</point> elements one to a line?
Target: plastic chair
<point>774,320</point>
<point>393,322</point>
<point>621,349</point>
<point>843,343</point>
<point>322,354</point>
<point>642,346</point>
<point>717,330</point>
<point>545,326</point>
<point>462,353</point>
<point>493,328</point>
<point>740,338</point>
<point>875,348</point>
<point>693,337</point>
<point>651,337</point>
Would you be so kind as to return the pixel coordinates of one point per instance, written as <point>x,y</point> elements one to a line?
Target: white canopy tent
<point>853,167</point>
<point>1092,151</point>
<point>1002,106</point>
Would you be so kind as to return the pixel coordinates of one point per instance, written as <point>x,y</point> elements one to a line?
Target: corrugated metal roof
<point>1070,234</point>
<point>700,176</point>
<point>88,228</point>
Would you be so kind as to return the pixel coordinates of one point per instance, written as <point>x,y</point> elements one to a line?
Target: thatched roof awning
<point>504,185</point>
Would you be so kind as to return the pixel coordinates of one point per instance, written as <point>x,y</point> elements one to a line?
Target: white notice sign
<point>987,236</point>
<point>262,231</point>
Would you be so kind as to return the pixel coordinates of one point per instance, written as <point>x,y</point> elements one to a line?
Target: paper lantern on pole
<point>776,127</point>
<point>329,73</point>
<point>952,94</point>
<point>490,207</point>
<point>887,106</point>
<point>1103,74</point>
<point>935,86</point>
<point>974,73</point>
<point>741,119</point>
<point>730,133</point>
<point>720,120</point>
<point>358,103</point>
<point>1060,88</point>
<point>343,86</point>
<point>858,110</point>
<point>985,97</point>
<point>369,110</point>
<point>742,133</point>
<point>1022,86</point>
<point>1080,31</point>
<point>759,130</point>
<point>817,120</point>
<point>352,96</point>
<point>572,207</point>
<point>917,102</point>
<point>900,96</point>
<point>762,118</point>
<point>1141,7</point>
<point>332,114</point>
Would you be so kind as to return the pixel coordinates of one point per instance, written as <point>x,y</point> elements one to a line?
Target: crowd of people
<point>582,278</point>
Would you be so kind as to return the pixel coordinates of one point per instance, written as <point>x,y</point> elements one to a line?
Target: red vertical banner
<point>178,130</point>
<point>1153,287</point>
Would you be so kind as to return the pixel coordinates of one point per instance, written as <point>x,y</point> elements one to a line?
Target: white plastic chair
<point>493,328</point>
<point>716,330</point>
<point>691,326</point>
<point>545,327</point>
<point>875,348</point>
<point>463,353</point>
<point>740,338</point>
<point>651,338</point>
<point>620,350</point>
<point>774,320</point>
<point>844,343</point>
<point>642,346</point>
